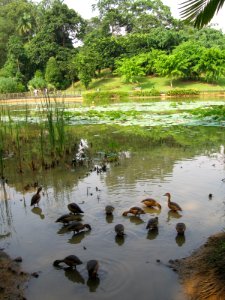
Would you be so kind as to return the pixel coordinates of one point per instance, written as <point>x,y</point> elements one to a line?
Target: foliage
<point>52,73</point>
<point>10,85</point>
<point>182,92</point>
<point>145,93</point>
<point>129,69</point>
<point>103,97</point>
<point>37,82</point>
<point>215,111</point>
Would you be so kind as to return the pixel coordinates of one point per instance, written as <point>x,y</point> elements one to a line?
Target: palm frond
<point>200,12</point>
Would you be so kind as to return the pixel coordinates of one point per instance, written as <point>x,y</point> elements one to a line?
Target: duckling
<point>67,218</point>
<point>135,210</point>
<point>119,229</point>
<point>92,267</point>
<point>78,226</point>
<point>152,223</point>
<point>36,197</point>
<point>149,202</point>
<point>172,205</point>
<point>70,260</point>
<point>180,228</point>
<point>109,210</point>
<point>74,208</point>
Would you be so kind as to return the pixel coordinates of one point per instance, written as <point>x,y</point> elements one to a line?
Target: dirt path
<point>12,278</point>
<point>203,273</point>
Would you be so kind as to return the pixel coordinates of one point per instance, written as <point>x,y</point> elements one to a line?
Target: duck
<point>150,202</point>
<point>135,210</point>
<point>78,226</point>
<point>180,228</point>
<point>109,210</point>
<point>119,229</point>
<point>36,197</point>
<point>172,205</point>
<point>67,218</point>
<point>70,260</point>
<point>75,208</point>
<point>152,223</point>
<point>92,268</point>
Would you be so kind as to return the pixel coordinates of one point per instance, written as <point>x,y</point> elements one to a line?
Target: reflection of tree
<point>93,284</point>
<point>5,211</point>
<point>74,275</point>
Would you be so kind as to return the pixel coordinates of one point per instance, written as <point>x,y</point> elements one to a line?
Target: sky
<point>84,8</point>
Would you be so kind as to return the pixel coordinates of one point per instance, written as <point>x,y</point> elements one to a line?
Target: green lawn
<point>111,83</point>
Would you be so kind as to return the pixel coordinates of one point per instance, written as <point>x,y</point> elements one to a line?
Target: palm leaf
<point>200,12</point>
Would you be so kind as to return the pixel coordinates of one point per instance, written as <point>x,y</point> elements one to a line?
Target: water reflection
<point>152,210</point>
<point>173,215</point>
<point>38,211</point>
<point>93,284</point>
<point>74,275</point>
<point>119,240</point>
<point>136,220</point>
<point>109,218</point>
<point>152,234</point>
<point>78,237</point>
<point>180,239</point>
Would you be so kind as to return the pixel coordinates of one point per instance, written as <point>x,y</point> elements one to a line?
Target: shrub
<point>182,92</point>
<point>10,85</point>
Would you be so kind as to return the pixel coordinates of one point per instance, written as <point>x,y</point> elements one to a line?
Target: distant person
<point>35,92</point>
<point>45,91</point>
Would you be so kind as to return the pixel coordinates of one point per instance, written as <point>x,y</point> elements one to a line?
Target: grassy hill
<point>108,82</point>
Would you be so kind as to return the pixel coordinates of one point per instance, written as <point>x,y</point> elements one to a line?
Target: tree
<point>200,12</point>
<point>130,69</point>
<point>52,73</point>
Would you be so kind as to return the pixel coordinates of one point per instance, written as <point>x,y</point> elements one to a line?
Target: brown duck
<point>150,202</point>
<point>36,197</point>
<point>109,210</point>
<point>135,210</point>
<point>172,205</point>
<point>67,218</point>
<point>78,226</point>
<point>92,268</point>
<point>70,260</point>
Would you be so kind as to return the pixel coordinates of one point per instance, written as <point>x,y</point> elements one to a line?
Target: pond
<point>186,161</point>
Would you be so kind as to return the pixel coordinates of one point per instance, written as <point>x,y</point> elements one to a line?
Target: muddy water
<point>128,267</point>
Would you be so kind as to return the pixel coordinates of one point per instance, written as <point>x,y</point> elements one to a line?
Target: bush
<point>103,97</point>
<point>10,85</point>
<point>182,92</point>
<point>145,93</point>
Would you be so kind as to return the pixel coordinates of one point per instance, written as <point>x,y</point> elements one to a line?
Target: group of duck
<point>73,222</point>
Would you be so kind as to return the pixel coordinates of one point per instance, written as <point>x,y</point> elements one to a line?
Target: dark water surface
<point>128,267</point>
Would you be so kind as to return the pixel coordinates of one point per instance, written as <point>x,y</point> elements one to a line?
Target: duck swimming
<point>152,223</point>
<point>109,210</point>
<point>135,210</point>
<point>70,260</point>
<point>119,229</point>
<point>180,228</point>
<point>92,268</point>
<point>150,202</point>
<point>75,208</point>
<point>36,197</point>
<point>172,205</point>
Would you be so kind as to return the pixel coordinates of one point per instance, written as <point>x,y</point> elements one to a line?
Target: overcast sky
<point>83,7</point>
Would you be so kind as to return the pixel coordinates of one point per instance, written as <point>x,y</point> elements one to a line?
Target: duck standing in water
<point>75,208</point>
<point>67,218</point>
<point>92,268</point>
<point>149,202</point>
<point>135,210</point>
<point>180,228</point>
<point>78,226</point>
<point>70,260</point>
<point>36,197</point>
<point>172,205</point>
